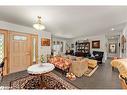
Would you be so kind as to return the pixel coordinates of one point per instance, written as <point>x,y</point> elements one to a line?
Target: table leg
<point>41,83</point>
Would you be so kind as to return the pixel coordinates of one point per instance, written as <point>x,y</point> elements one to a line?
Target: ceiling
<point>67,21</point>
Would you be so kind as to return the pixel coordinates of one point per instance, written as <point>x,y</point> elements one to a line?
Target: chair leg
<point>2,72</point>
<point>1,78</point>
<point>2,75</point>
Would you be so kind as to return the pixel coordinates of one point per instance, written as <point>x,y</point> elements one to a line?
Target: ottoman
<point>92,63</point>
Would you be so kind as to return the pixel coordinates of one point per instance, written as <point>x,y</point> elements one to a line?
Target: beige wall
<point>24,29</point>
<point>100,37</point>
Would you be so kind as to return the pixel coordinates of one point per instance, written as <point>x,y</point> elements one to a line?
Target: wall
<point>24,29</point>
<point>116,41</point>
<point>126,43</point>
<point>60,39</point>
<point>18,28</point>
<point>92,38</point>
<point>124,55</point>
<point>44,50</point>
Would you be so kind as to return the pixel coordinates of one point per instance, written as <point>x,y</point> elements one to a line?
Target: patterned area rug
<point>90,71</point>
<point>47,81</point>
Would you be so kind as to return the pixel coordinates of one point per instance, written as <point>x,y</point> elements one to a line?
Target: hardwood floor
<point>103,78</point>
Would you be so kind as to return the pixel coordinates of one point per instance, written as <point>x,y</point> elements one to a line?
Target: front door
<point>20,51</point>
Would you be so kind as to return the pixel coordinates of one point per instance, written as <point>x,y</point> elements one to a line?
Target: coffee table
<point>39,70</point>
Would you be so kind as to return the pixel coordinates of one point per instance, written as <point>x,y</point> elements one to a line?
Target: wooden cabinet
<point>83,47</point>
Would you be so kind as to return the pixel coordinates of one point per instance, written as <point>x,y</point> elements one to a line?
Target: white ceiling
<point>67,21</point>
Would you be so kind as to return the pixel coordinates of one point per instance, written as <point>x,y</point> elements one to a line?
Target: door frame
<point>7,47</point>
<point>36,47</point>
<point>5,32</point>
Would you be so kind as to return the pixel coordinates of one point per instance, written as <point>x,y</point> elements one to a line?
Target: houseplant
<point>42,59</point>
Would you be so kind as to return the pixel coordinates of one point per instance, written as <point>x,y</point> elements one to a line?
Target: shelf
<point>83,47</point>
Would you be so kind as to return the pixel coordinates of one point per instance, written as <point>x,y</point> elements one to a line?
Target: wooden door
<point>3,48</point>
<point>20,51</point>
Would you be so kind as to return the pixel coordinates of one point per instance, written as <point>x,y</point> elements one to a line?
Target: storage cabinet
<point>82,49</point>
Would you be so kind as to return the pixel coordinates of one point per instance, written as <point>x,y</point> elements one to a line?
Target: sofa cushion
<point>79,58</point>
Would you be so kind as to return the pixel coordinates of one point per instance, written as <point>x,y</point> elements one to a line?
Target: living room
<point>81,50</point>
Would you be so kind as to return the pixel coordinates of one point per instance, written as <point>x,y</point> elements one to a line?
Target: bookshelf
<point>83,47</point>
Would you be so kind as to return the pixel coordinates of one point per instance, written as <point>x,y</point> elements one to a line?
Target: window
<point>1,47</point>
<point>57,47</point>
<point>34,49</point>
<point>20,38</point>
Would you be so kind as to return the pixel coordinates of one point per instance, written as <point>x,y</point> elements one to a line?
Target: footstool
<point>92,63</point>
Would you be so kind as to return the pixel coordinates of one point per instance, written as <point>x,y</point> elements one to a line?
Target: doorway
<point>21,50</point>
<point>113,46</point>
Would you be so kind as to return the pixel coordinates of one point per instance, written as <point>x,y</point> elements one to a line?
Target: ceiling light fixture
<point>112,29</point>
<point>39,25</point>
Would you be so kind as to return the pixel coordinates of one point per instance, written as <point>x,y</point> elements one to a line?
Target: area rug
<point>47,81</point>
<point>90,71</point>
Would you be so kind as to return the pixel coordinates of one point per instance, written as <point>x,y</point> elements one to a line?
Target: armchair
<point>2,68</point>
<point>78,68</point>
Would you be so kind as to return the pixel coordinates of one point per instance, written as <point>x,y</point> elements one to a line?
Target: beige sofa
<point>120,64</point>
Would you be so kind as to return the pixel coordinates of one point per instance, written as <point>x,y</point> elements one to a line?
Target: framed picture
<point>72,45</point>
<point>112,48</point>
<point>96,44</point>
<point>45,42</point>
<point>123,43</point>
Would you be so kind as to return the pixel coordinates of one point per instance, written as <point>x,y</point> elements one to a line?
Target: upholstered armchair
<point>78,68</point>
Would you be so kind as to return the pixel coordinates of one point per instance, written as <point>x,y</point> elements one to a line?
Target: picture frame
<point>45,42</point>
<point>72,45</point>
<point>96,44</point>
<point>123,43</point>
<point>112,48</point>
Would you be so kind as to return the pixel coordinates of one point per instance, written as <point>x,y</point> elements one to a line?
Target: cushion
<point>79,58</point>
<point>96,55</point>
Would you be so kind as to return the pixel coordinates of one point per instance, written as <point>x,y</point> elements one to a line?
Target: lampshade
<point>38,25</point>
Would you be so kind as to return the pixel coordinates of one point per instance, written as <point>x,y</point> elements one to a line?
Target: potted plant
<point>42,59</point>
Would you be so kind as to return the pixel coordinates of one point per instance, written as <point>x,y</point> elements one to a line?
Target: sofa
<point>73,64</point>
<point>97,55</point>
<point>123,80</point>
<point>61,62</point>
<point>120,64</point>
